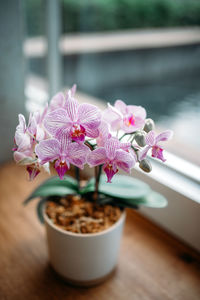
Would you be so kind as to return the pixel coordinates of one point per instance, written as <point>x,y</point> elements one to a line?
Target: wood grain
<point>152,264</point>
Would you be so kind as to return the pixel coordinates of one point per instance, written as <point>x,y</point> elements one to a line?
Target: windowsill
<point>116,41</point>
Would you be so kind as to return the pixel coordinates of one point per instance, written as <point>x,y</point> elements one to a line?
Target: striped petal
<point>89,116</point>
<point>124,160</point>
<point>48,150</point>
<point>57,121</point>
<point>164,136</point>
<point>111,146</point>
<point>71,108</point>
<point>77,154</point>
<point>58,101</point>
<point>143,152</point>
<point>92,133</point>
<point>112,116</point>
<point>125,146</point>
<point>97,157</point>
<point>150,138</point>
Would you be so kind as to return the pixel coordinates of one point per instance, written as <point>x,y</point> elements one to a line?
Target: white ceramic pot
<point>84,259</point>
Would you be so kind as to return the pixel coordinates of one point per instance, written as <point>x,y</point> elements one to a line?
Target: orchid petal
<point>164,136</point>
<point>40,133</point>
<point>58,101</point>
<point>121,106</point>
<point>124,160</point>
<point>44,113</point>
<point>110,170</point>
<point>111,146</point>
<point>89,116</point>
<point>125,146</point>
<point>64,144</point>
<point>71,107</point>
<point>97,157</point>
<point>20,156</point>
<point>73,90</point>
<point>56,121</point>
<point>157,152</point>
<point>36,116</point>
<point>22,124</point>
<point>150,138</point>
<point>33,171</point>
<point>22,141</point>
<point>48,150</point>
<point>112,118</point>
<point>138,111</point>
<point>78,154</point>
<point>138,123</point>
<point>32,127</point>
<point>61,168</point>
<point>132,152</point>
<point>92,133</point>
<point>143,152</point>
<point>104,133</point>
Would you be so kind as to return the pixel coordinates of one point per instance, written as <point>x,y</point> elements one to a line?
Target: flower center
<point>129,120</point>
<point>78,133</point>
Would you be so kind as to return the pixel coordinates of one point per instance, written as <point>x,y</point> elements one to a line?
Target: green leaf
<point>67,181</point>
<point>39,209</point>
<point>122,187</point>
<point>114,201</point>
<point>55,187</point>
<point>153,199</point>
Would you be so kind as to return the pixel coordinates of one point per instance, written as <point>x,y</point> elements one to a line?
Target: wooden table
<point>152,264</point>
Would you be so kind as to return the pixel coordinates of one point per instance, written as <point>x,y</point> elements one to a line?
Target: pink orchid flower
<point>62,152</point>
<point>24,150</point>
<point>35,126</point>
<point>104,134</point>
<point>152,142</point>
<point>22,138</point>
<point>59,100</point>
<point>76,120</point>
<point>129,118</point>
<point>113,155</point>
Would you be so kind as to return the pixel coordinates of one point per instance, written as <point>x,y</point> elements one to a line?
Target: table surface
<point>152,264</point>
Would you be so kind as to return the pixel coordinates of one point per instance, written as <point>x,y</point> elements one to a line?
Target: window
<point>139,53</point>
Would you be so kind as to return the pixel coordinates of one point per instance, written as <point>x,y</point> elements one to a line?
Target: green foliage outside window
<point>102,15</point>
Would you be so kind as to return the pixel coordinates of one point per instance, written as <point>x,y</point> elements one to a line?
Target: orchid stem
<point>89,145</point>
<point>125,134</point>
<point>77,175</point>
<point>97,179</point>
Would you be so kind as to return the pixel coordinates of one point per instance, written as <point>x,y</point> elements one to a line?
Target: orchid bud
<point>140,138</point>
<point>145,165</point>
<point>149,125</point>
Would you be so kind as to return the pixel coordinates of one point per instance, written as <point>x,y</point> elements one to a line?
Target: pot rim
<point>84,235</point>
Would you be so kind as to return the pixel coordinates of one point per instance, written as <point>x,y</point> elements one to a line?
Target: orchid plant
<point>68,133</point>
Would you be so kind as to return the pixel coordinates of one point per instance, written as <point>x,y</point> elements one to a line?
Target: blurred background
<point>145,52</point>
